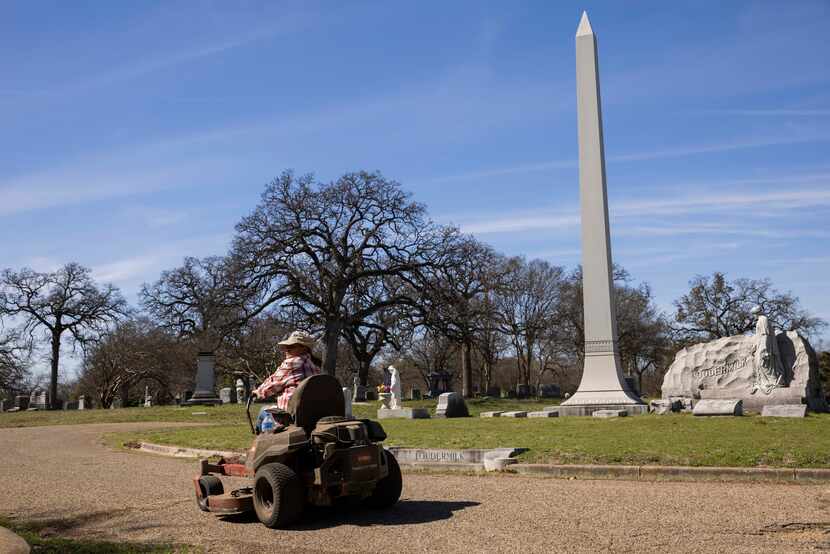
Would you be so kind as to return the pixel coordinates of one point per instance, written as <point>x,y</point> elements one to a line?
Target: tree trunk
<point>125,394</point>
<point>332,337</point>
<point>53,383</point>
<point>363,372</point>
<point>466,370</point>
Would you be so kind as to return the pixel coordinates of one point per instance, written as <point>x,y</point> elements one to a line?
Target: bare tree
<point>310,245</point>
<point>14,361</point>
<point>453,297</point>
<point>428,352</point>
<point>527,307</point>
<point>66,300</point>
<point>135,352</point>
<point>203,300</point>
<point>714,307</point>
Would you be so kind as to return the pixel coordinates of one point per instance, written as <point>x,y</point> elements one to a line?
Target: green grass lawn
<point>678,439</point>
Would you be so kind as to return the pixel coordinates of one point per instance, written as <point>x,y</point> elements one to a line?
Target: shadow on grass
<point>405,512</point>
<point>45,535</point>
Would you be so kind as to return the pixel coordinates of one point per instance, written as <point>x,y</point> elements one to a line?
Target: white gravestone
<point>785,410</point>
<point>347,400</point>
<point>732,407</point>
<point>240,391</point>
<point>602,385</point>
<point>148,400</point>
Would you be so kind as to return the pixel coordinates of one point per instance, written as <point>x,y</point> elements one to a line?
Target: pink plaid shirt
<point>286,378</point>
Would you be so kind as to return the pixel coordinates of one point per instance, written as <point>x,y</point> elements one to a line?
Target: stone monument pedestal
<point>205,381</point>
<point>403,413</point>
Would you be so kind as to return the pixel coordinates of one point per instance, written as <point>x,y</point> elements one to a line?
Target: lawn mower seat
<point>316,397</point>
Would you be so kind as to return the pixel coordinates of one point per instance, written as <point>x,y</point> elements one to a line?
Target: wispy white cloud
<point>708,200</point>
<point>678,152</point>
<point>771,112</point>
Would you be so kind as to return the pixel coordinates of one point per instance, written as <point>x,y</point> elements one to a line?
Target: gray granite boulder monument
<point>205,393</point>
<point>764,369</point>
<point>451,404</point>
<point>602,386</point>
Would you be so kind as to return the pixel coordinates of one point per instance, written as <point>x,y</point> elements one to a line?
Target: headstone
<point>662,407</point>
<point>415,394</point>
<point>148,399</point>
<point>602,383</point>
<point>347,398</point>
<point>514,414</point>
<point>188,394</point>
<point>732,407</point>
<point>522,391</point>
<point>396,401</point>
<point>403,413</point>
<point>240,391</point>
<point>451,404</point>
<point>2,405</point>
<point>549,391</point>
<point>494,392</point>
<point>22,402</point>
<point>369,395</point>
<point>82,402</point>
<point>39,400</point>
<point>544,413</point>
<point>785,410</point>
<point>205,381</point>
<point>490,414</point>
<point>609,413</point>
<point>764,369</point>
<point>225,395</point>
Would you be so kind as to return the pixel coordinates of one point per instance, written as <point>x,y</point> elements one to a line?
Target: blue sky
<point>136,133</point>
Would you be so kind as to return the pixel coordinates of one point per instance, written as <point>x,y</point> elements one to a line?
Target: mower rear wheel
<point>279,495</point>
<point>209,485</point>
<point>388,490</point>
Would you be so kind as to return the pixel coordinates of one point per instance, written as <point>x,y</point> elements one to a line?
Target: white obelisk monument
<point>602,385</point>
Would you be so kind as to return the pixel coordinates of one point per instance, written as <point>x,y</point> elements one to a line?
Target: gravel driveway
<point>66,474</point>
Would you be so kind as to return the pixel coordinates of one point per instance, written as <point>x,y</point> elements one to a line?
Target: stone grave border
<point>498,456</point>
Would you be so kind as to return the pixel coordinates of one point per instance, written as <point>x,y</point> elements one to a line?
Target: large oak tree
<point>63,301</point>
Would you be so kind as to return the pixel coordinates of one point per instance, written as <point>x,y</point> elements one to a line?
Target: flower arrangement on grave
<point>383,389</point>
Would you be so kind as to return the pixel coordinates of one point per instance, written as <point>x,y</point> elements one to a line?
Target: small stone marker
<point>549,391</point>
<point>490,414</point>
<point>544,413</point>
<point>662,407</point>
<point>225,395</point>
<point>609,413</point>
<point>347,401</point>
<point>710,407</point>
<point>514,414</point>
<point>784,410</point>
<point>451,404</point>
<point>415,394</point>
<point>403,413</point>
<point>198,413</point>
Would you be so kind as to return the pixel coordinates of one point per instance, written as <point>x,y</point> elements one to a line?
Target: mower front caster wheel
<point>208,486</point>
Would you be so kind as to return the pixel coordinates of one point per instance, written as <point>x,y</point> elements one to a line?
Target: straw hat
<point>299,337</point>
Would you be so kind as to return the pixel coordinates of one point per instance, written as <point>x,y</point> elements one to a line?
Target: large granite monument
<point>205,381</point>
<point>764,369</point>
<point>603,386</point>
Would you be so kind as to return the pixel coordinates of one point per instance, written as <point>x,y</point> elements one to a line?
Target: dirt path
<point>65,473</point>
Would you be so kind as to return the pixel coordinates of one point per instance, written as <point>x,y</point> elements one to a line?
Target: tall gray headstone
<point>602,385</point>
<point>205,380</point>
